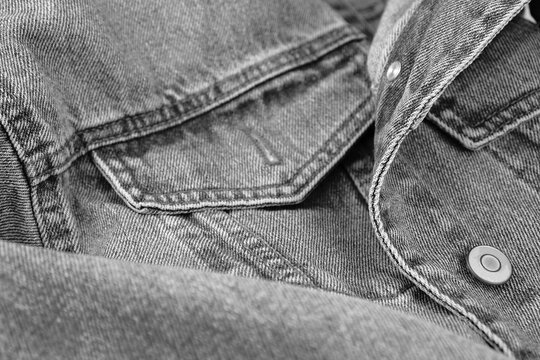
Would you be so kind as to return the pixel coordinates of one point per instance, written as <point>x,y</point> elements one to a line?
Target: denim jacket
<point>268,179</point>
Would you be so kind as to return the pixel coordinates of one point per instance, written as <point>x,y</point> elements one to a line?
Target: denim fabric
<point>496,93</point>
<point>56,305</point>
<point>262,140</point>
<point>82,101</point>
<point>430,211</point>
<point>492,199</point>
<point>17,220</point>
<point>364,15</point>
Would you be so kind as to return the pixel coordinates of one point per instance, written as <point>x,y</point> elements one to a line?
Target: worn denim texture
<point>490,200</point>
<point>472,198</point>
<point>364,15</point>
<point>82,307</point>
<point>262,141</point>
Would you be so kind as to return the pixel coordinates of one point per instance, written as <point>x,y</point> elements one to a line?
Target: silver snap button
<point>393,70</point>
<point>489,265</point>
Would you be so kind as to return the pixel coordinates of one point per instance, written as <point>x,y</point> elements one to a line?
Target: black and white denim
<point>267,179</point>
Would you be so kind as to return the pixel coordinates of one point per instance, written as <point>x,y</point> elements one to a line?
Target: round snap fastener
<point>393,70</point>
<point>489,265</point>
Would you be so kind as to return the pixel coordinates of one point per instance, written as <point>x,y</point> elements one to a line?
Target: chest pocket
<point>498,92</point>
<point>265,136</point>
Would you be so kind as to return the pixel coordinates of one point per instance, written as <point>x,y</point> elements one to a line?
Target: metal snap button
<point>489,265</point>
<point>393,70</point>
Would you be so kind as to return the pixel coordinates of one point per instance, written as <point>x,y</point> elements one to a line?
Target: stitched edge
<point>60,232</point>
<point>31,190</point>
<point>287,263</point>
<point>383,168</point>
<point>502,125</point>
<point>517,22</point>
<point>496,153</point>
<point>515,101</point>
<point>477,142</point>
<point>219,93</point>
<point>292,191</point>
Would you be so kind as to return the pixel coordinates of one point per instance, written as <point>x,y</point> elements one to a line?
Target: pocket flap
<point>497,92</point>
<point>268,146</point>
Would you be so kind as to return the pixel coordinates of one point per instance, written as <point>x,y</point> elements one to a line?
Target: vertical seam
<point>31,190</point>
<point>382,169</point>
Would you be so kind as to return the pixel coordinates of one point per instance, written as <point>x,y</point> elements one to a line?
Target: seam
<point>357,183</point>
<point>306,272</point>
<point>404,289</point>
<point>489,117</point>
<point>31,189</point>
<point>294,195</point>
<point>382,169</point>
<point>475,142</point>
<point>506,107</point>
<point>326,148</point>
<point>497,155</point>
<point>166,116</point>
<point>444,124</point>
<point>413,287</point>
<point>394,253</point>
<point>290,263</point>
